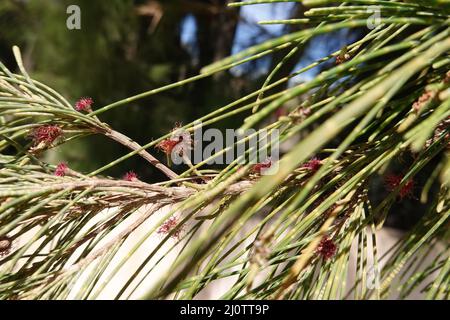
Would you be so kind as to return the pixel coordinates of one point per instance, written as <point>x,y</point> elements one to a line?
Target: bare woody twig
<point>127,142</point>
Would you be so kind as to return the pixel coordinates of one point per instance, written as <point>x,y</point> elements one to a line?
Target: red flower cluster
<point>130,176</point>
<point>47,134</point>
<point>313,165</point>
<point>84,104</point>
<point>327,248</point>
<point>266,164</point>
<point>168,144</point>
<point>60,170</point>
<point>392,181</point>
<point>168,226</point>
<point>179,143</point>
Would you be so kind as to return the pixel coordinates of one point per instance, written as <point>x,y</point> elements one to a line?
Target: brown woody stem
<point>127,142</point>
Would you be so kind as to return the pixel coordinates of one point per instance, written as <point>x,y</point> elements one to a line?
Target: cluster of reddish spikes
<point>168,144</point>
<point>392,182</point>
<point>130,176</point>
<point>326,248</point>
<point>84,104</point>
<point>61,169</point>
<point>266,164</point>
<point>168,226</point>
<point>313,165</point>
<point>46,134</point>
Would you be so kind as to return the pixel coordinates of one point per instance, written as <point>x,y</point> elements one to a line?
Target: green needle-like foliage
<point>282,236</point>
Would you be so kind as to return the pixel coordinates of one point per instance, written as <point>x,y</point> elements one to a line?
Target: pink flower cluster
<point>313,165</point>
<point>168,226</point>
<point>84,104</point>
<point>266,164</point>
<point>392,181</point>
<point>130,176</point>
<point>47,134</point>
<point>61,169</point>
<point>327,248</point>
